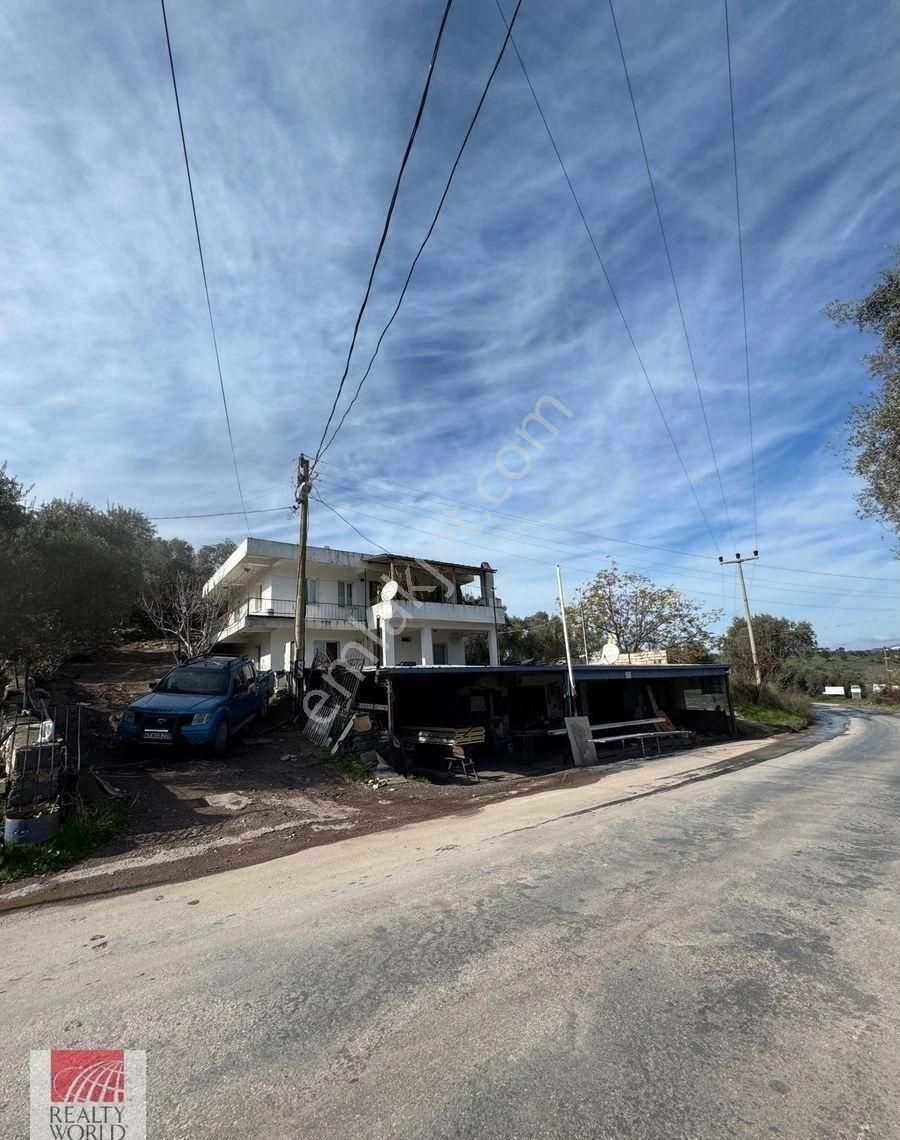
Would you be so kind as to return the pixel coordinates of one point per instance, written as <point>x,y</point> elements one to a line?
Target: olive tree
<point>777,639</point>
<point>873,436</point>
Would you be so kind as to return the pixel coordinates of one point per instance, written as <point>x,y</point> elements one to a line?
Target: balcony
<point>450,615</point>
<point>266,610</point>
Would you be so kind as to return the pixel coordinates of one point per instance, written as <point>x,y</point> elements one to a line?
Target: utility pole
<point>584,636</point>
<point>303,487</point>
<point>572,710</point>
<point>739,562</point>
<point>887,669</point>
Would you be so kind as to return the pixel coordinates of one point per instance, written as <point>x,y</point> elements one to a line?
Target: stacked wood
<point>459,737</point>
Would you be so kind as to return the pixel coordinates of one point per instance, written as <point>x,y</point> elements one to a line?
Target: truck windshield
<point>208,682</point>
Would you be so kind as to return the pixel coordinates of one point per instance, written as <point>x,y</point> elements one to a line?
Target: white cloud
<point>296,117</point>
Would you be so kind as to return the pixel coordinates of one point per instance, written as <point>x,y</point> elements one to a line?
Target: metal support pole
<point>572,701</point>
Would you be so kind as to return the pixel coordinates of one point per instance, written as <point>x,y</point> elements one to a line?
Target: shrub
<point>769,705</point>
<point>86,827</point>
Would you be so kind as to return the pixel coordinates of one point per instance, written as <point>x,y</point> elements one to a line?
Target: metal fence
<point>339,680</point>
<point>282,607</point>
<point>40,757</point>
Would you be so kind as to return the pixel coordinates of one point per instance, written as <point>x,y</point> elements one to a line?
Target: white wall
<point>456,651</point>
<point>409,650</point>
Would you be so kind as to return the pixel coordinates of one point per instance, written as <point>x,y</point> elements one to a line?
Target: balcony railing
<point>285,608</point>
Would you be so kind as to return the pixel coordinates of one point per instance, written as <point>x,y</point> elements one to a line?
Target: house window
<point>440,653</point>
<point>331,649</point>
<point>345,593</point>
<point>312,591</point>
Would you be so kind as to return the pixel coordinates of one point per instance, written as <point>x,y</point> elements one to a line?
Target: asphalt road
<point>721,959</point>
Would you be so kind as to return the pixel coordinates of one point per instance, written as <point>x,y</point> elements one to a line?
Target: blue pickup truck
<point>201,703</point>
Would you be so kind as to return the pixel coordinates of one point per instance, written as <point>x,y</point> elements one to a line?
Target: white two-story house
<point>424,620</point>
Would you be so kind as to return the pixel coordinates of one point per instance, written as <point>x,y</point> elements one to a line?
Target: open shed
<point>521,708</point>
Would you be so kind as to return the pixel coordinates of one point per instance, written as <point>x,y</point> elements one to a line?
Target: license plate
<point>157,734</point>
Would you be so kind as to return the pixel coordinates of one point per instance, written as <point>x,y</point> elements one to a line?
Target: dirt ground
<point>273,794</point>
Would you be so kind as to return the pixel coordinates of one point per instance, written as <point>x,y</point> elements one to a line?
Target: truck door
<point>245,699</point>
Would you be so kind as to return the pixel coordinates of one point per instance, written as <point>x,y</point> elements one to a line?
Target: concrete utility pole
<point>584,636</point>
<point>572,710</point>
<point>739,562</point>
<point>887,669</point>
<point>303,486</point>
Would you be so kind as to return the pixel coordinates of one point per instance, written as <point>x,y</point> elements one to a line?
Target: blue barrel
<point>37,829</point>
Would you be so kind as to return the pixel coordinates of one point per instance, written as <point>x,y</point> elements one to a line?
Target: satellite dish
<point>609,654</point>
<point>390,590</point>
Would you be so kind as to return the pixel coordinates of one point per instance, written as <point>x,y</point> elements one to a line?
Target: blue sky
<point>296,117</point>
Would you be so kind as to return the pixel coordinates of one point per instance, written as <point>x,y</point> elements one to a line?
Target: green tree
<point>13,502</point>
<point>777,639</point>
<point>874,426</point>
<point>537,637</point>
<point>639,614</point>
<point>70,576</point>
<point>208,559</point>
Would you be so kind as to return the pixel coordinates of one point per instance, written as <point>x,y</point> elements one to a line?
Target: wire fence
<point>40,757</point>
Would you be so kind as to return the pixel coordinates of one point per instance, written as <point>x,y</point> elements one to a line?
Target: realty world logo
<point>88,1094</point>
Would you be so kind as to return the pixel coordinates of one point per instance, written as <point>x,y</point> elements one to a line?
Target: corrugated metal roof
<point>582,672</point>
<point>419,558</point>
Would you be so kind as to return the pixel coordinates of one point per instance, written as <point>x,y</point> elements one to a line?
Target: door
<point>245,694</point>
<point>329,649</point>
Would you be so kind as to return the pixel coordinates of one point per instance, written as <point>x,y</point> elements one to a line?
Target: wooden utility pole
<point>739,562</point>
<point>300,605</point>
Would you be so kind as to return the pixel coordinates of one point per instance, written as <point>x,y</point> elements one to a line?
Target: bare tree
<point>190,620</point>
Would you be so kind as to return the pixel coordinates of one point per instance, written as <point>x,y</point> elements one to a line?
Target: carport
<point>521,708</point>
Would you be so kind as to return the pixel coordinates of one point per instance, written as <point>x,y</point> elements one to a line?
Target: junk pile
<point>36,774</point>
<point>444,752</point>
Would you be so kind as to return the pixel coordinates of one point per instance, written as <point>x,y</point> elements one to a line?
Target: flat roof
<point>582,672</point>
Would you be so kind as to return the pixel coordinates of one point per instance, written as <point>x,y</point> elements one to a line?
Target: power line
<point>416,496</point>
<point>532,540</point>
<point>579,569</point>
<point>525,519</point>
<point>737,204</point>
<point>212,324</point>
<point>364,537</point>
<point>834,574</point>
<point>609,283</point>
<point>219,514</point>
<point>665,241</point>
<point>387,222</point>
<point>429,231</point>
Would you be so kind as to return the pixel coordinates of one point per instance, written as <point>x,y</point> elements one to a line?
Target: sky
<point>296,116</point>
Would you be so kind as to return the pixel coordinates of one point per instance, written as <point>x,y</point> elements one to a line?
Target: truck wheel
<point>220,740</point>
